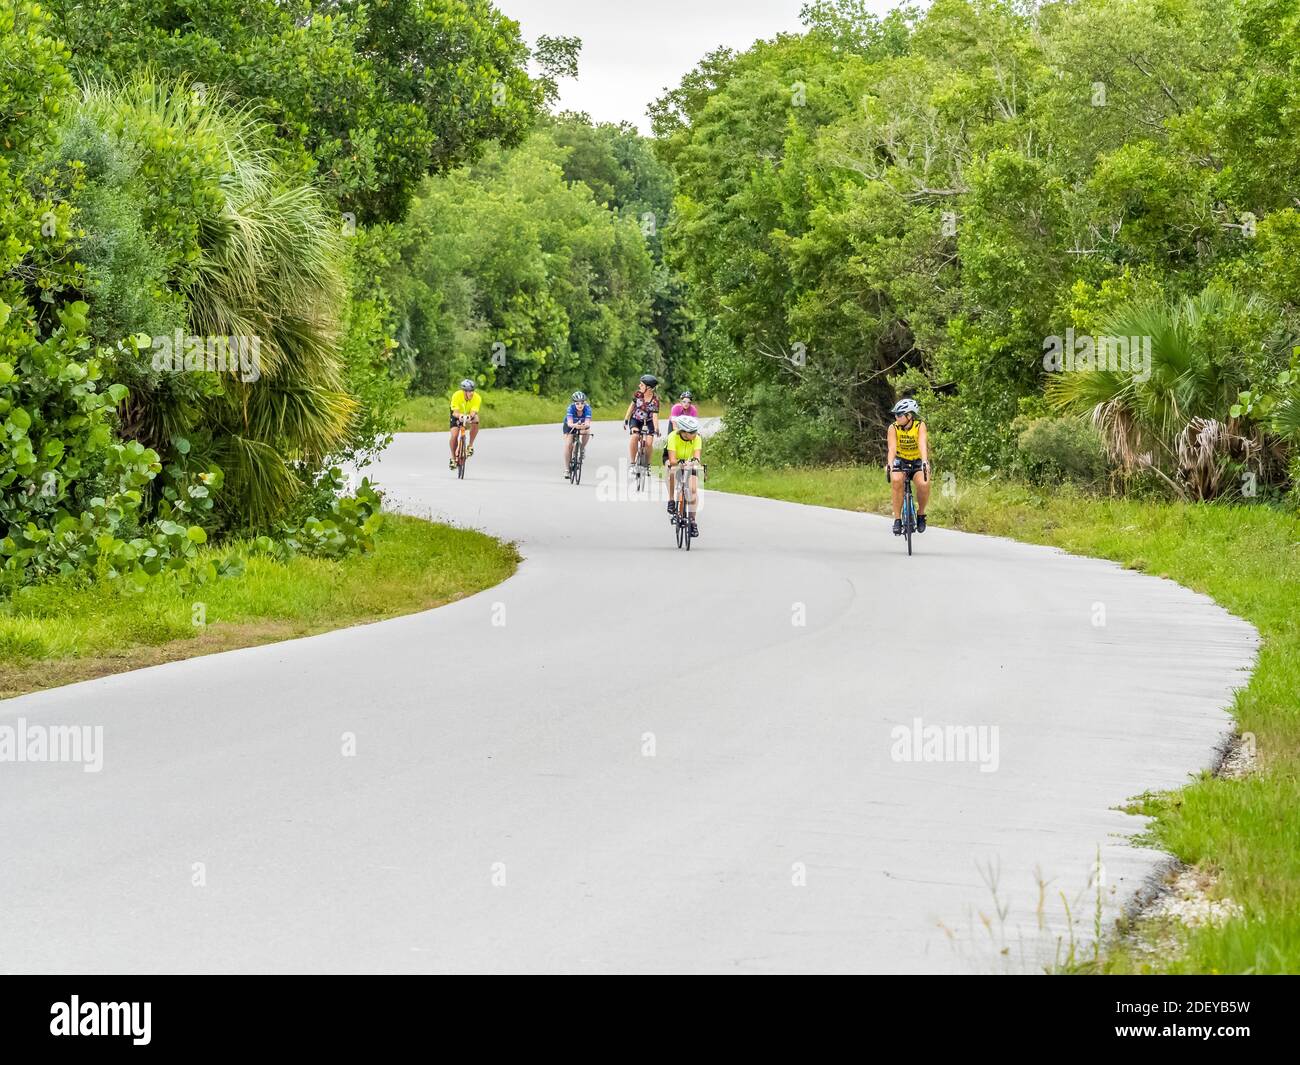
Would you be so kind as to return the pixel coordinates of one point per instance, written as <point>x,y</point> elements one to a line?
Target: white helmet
<point>906,406</point>
<point>687,424</point>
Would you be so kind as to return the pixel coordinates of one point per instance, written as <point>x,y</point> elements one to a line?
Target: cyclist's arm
<point>892,438</point>
<point>924,443</point>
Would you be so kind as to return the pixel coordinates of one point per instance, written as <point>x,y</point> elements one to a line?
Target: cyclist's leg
<point>672,486</point>
<point>473,432</point>
<point>568,446</point>
<point>921,486</point>
<point>633,441</point>
<point>896,492</point>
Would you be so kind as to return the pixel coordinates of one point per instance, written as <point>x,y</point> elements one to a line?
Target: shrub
<point>1060,449</point>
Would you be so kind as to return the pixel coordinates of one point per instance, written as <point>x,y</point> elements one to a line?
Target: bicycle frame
<point>576,456</point>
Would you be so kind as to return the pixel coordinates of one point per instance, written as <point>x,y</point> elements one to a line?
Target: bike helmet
<point>687,424</point>
<point>467,385</point>
<point>685,395</point>
<point>649,379</point>
<point>906,406</point>
<point>579,397</point>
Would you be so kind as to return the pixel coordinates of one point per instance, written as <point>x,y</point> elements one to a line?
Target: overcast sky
<point>634,49</point>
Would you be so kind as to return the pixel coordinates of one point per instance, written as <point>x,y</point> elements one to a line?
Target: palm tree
<point>1174,421</point>
<point>268,267</point>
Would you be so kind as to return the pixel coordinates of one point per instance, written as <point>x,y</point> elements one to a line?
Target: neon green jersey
<point>681,449</point>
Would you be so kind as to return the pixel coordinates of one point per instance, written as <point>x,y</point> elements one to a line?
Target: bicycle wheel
<point>461,456</point>
<point>909,519</point>
<point>688,536</point>
<point>642,466</point>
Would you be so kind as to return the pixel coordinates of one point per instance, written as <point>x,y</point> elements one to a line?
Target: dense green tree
<point>373,96</point>
<point>515,276</point>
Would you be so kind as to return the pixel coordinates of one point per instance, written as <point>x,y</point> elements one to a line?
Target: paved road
<point>627,757</point>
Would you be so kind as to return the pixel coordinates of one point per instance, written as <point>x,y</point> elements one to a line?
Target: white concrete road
<point>627,757</point>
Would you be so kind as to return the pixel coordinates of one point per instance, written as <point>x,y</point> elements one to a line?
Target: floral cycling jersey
<point>643,406</point>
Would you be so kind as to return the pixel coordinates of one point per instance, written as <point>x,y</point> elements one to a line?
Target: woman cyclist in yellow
<point>464,404</point>
<point>685,444</point>
<point>909,452</point>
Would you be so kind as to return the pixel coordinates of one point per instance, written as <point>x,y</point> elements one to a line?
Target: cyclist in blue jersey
<point>577,422</point>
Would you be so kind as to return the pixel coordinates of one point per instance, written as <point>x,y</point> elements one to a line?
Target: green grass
<point>1245,833</point>
<point>52,634</point>
<point>501,409</point>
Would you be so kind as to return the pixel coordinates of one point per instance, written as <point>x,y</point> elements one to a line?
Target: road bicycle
<point>575,460</point>
<point>641,470</point>
<point>909,504</point>
<point>681,519</point>
<point>462,447</point>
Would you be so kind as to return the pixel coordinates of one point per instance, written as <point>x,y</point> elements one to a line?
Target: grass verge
<point>54,634</point>
<point>502,409</point>
<point>1243,834</point>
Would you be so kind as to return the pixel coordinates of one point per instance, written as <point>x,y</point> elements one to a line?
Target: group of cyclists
<point>907,442</point>
<point>641,422</point>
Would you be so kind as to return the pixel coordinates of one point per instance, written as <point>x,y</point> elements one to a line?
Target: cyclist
<point>577,420</point>
<point>642,413</point>
<point>465,404</point>
<point>684,405</point>
<point>685,445</point>
<point>909,452</point>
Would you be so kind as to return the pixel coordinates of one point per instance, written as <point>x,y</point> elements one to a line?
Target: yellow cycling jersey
<point>908,440</point>
<point>462,404</point>
<point>681,449</point>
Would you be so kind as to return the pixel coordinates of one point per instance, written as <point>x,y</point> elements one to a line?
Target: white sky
<point>632,50</point>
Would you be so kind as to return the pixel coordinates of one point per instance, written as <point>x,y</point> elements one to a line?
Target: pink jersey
<point>679,410</point>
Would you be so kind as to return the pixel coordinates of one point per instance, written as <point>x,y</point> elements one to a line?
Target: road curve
<point>630,758</point>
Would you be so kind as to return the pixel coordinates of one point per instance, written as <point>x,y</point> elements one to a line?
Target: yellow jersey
<point>681,450</point>
<point>908,441</point>
<point>462,404</point>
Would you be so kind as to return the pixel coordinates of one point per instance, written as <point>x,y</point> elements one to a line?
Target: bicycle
<point>575,460</point>
<point>642,467</point>
<point>909,504</point>
<point>462,447</point>
<point>681,519</point>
